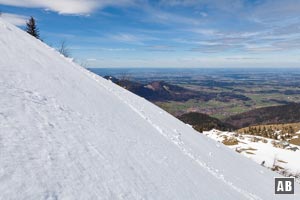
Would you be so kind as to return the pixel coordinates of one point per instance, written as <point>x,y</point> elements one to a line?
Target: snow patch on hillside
<point>263,151</point>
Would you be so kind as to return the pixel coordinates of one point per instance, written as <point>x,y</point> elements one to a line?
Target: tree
<point>63,49</point>
<point>291,130</point>
<point>32,29</point>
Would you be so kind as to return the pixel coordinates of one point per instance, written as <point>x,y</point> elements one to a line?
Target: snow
<point>260,151</point>
<point>66,133</point>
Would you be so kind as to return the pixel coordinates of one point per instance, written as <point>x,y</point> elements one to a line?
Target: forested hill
<point>268,115</point>
<point>203,122</point>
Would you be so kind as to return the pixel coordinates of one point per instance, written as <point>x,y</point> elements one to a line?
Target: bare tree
<point>84,64</point>
<point>275,167</point>
<point>64,50</point>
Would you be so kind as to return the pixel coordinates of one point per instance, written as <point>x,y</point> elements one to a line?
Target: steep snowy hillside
<point>66,133</point>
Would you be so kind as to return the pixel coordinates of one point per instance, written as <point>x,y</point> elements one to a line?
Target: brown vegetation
<point>230,141</point>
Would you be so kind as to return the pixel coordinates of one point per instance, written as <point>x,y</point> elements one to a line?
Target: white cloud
<point>167,18</point>
<point>18,20</point>
<point>206,32</point>
<point>163,48</point>
<point>75,48</point>
<point>203,14</point>
<point>91,59</point>
<point>123,37</point>
<point>65,6</point>
<point>138,39</point>
<point>178,2</point>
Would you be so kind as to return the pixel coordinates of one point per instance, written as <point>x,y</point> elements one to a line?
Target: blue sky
<point>168,33</point>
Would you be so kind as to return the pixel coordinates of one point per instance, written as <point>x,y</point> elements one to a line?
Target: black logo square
<point>284,185</point>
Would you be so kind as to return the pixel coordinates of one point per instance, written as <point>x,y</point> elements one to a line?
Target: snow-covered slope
<point>261,150</point>
<point>66,133</point>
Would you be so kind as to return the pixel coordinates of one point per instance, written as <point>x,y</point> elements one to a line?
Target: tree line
<point>269,132</point>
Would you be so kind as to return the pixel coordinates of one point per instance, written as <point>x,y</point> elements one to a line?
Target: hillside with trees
<point>268,115</point>
<point>202,122</point>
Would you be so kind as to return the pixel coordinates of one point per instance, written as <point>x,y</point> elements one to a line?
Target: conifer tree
<point>32,29</point>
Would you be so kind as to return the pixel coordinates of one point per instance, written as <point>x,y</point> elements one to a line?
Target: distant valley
<point>163,94</point>
<point>220,93</point>
<point>161,91</point>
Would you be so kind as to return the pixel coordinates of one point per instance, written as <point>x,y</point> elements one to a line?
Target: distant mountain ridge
<point>162,91</point>
<point>157,90</point>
